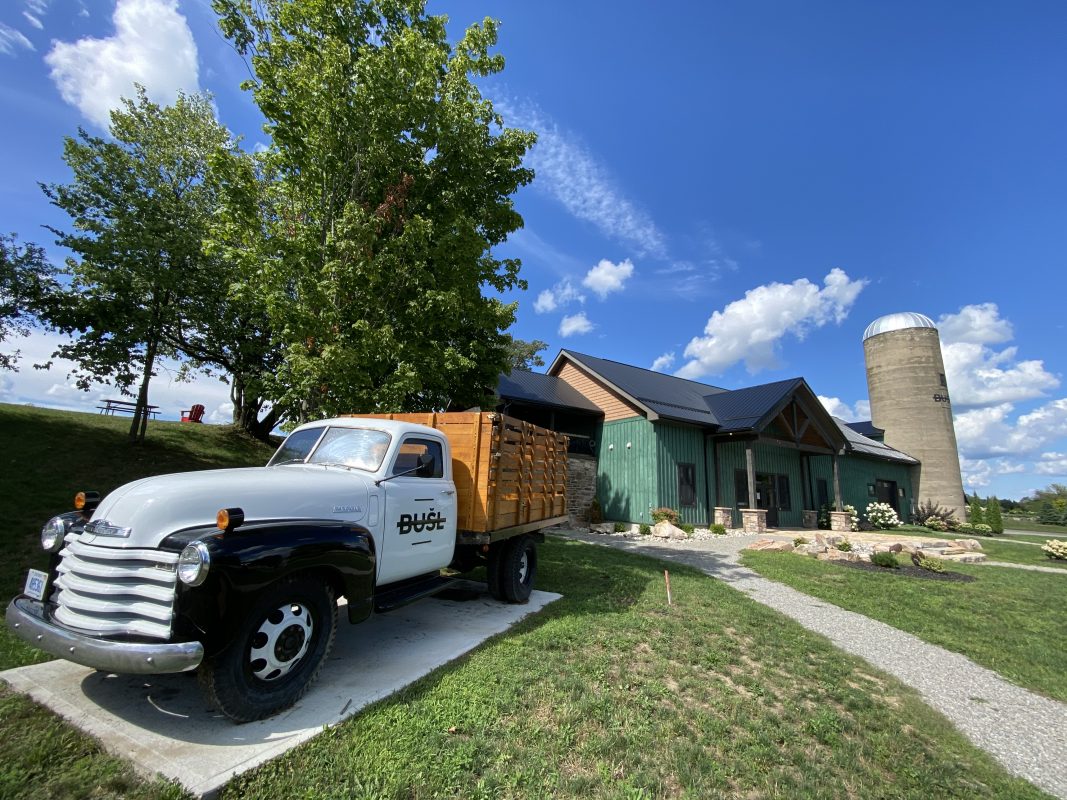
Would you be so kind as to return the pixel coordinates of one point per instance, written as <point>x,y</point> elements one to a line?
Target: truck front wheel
<point>515,570</point>
<point>280,646</point>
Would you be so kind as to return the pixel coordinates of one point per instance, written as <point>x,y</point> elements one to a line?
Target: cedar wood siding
<point>613,406</point>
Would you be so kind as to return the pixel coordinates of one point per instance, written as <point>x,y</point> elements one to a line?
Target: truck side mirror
<point>425,467</point>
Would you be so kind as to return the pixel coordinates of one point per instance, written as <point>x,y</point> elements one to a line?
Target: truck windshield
<point>360,448</point>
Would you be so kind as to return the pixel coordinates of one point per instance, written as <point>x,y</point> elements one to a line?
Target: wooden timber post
<point>837,484</point>
<point>750,470</point>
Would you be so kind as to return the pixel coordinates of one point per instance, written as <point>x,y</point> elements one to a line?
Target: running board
<point>394,597</point>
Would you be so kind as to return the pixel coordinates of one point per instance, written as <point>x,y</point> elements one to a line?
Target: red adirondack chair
<point>194,414</point>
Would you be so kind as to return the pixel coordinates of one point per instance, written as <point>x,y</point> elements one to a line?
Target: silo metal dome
<point>898,321</point>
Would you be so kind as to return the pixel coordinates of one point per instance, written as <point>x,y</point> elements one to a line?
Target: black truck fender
<point>247,560</point>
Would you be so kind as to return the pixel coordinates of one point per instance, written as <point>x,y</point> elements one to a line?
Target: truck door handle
<point>448,491</point>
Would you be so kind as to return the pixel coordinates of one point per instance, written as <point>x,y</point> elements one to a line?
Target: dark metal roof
<point>867,428</point>
<point>535,387</point>
<point>858,443</point>
<point>663,395</point>
<point>744,409</point>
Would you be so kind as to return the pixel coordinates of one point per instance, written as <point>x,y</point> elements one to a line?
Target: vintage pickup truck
<point>236,573</point>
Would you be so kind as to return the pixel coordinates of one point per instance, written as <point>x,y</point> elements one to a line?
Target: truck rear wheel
<point>516,569</point>
<point>280,646</point>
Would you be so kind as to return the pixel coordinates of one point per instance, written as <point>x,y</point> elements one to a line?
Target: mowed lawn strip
<point>50,455</point>
<point>610,692</point>
<point>1008,620</point>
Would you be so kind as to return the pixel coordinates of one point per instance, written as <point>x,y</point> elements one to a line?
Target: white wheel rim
<point>524,565</point>
<point>281,642</point>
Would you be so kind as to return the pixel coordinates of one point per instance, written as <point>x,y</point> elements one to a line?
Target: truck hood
<point>154,508</point>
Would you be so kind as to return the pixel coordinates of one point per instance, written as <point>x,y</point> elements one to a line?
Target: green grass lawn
<point>609,692</point>
<point>1007,620</point>
<point>1016,524</point>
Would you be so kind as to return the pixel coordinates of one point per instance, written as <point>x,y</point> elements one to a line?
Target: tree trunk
<point>246,412</point>
<point>140,412</point>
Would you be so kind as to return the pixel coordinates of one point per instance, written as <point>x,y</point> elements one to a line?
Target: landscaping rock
<point>664,530</point>
<point>813,549</point>
<point>968,544</point>
<point>837,555</point>
<point>771,545</point>
<point>966,558</point>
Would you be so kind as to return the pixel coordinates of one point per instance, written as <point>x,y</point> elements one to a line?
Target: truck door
<point>420,511</point>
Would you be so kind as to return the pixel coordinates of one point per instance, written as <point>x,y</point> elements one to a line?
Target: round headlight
<point>52,534</point>
<point>193,564</point>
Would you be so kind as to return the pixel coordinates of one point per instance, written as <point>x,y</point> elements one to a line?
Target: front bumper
<point>29,621</point>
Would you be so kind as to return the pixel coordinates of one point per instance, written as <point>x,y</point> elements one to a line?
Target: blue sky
<point>730,191</point>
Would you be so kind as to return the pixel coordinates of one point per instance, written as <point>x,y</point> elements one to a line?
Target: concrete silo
<point>910,401</point>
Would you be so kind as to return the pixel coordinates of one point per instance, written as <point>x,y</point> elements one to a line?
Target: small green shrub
<point>685,526</point>
<point>966,527</point>
<point>596,515</point>
<point>936,524</point>
<point>718,529</point>
<point>887,560</point>
<point>845,546</point>
<point>799,540</point>
<point>620,527</point>
<point>983,530</point>
<point>665,514</point>
<point>929,563</point>
<point>645,529</point>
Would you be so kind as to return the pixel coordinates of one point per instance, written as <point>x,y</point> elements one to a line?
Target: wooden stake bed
<point>510,475</point>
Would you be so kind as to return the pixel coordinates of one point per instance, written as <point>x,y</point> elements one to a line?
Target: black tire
<point>299,616</point>
<point>518,569</point>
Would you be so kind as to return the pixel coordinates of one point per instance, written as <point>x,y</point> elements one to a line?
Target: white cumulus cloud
<point>606,277</point>
<point>837,407</point>
<point>562,294</point>
<point>152,45</point>
<point>664,362</point>
<point>12,40</point>
<point>977,374</point>
<point>988,432</point>
<point>749,329</point>
<point>574,325</point>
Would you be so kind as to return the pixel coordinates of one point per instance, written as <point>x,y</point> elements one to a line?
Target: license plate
<point>36,582</point>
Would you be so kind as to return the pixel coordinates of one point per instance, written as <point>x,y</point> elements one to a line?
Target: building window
<point>687,485</point>
<point>785,500</point>
<point>943,381</point>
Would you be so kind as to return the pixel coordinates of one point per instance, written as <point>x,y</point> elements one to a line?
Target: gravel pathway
<point>1023,731</point>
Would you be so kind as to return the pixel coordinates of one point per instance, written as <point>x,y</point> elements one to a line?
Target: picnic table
<point>110,407</point>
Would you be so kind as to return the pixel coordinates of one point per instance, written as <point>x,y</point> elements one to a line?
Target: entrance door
<point>886,492</point>
<point>420,511</point>
<point>765,498</point>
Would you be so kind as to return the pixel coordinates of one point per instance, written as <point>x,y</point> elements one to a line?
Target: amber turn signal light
<point>86,501</point>
<point>229,518</point>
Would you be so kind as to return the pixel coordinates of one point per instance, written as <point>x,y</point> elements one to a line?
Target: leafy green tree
<point>27,281</point>
<point>142,286</point>
<point>993,516</point>
<point>525,355</point>
<point>386,186</point>
<point>1048,514</point>
<point>975,516</point>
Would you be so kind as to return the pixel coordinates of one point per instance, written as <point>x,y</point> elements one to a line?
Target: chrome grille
<point>109,591</point>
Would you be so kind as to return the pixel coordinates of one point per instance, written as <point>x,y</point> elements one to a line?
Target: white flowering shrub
<point>882,516</point>
<point>1055,548</point>
<point>982,529</point>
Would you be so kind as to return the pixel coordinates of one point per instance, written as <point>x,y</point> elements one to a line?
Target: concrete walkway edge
<point>1025,732</point>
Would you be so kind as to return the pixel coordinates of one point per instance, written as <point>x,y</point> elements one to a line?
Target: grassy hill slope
<point>48,456</point>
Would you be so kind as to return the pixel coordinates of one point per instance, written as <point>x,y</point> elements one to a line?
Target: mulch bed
<point>910,571</point>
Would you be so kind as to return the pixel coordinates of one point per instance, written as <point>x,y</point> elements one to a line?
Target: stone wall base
<point>754,520</point>
<point>811,519</point>
<point>840,521</point>
<point>724,516</point>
